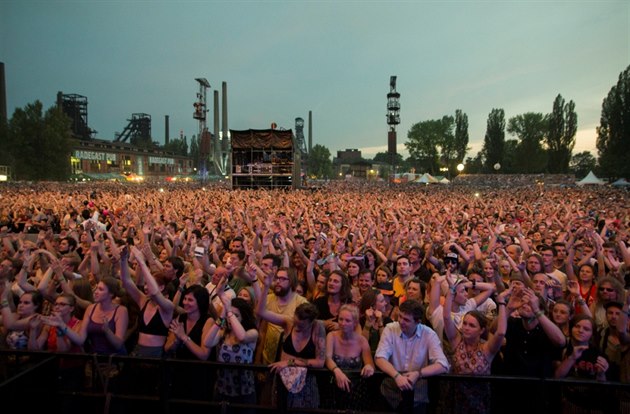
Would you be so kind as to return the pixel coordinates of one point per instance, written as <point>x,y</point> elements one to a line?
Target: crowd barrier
<point>83,383</point>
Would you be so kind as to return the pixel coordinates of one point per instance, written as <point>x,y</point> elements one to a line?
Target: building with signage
<point>105,159</point>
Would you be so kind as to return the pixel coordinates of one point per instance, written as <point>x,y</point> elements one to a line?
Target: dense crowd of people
<point>351,276</point>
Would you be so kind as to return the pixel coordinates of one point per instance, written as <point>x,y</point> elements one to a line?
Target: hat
<point>613,304</point>
<point>386,288</point>
<point>514,275</point>
<point>451,257</point>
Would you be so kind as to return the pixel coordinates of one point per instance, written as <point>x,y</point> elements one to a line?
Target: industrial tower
<point>393,119</point>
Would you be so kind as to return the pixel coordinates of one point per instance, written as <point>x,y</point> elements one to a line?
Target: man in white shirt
<point>407,352</point>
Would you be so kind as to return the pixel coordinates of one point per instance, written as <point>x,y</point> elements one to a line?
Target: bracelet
<point>539,314</point>
<point>474,284</point>
<point>187,339</point>
<point>501,303</point>
<point>181,289</point>
<point>4,304</point>
<point>397,375</point>
<point>334,368</point>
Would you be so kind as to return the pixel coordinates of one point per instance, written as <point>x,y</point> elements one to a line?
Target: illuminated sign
<point>161,160</point>
<point>92,155</point>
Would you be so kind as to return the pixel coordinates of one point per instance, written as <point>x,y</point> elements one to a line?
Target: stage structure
<point>265,158</point>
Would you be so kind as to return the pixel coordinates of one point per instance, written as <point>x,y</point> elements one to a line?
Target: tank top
<point>308,352</point>
<point>156,324</point>
<point>97,341</point>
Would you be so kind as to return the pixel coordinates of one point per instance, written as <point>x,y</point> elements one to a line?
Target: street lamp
<point>460,167</point>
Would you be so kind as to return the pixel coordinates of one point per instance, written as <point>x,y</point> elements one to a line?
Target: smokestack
<point>166,133</point>
<point>310,131</point>
<point>3,95</point>
<point>224,122</point>
<point>217,144</point>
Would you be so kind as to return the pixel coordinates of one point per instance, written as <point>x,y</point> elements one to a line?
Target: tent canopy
<point>426,178</point>
<point>590,179</point>
<point>622,182</point>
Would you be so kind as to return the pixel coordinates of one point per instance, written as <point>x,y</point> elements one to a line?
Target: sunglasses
<point>602,289</point>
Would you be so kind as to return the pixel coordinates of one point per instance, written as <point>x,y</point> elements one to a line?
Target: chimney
<point>224,121</point>
<point>3,96</point>
<point>166,134</point>
<point>310,131</point>
<point>216,151</point>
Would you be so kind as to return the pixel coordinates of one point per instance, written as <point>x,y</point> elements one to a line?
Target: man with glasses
<point>284,300</point>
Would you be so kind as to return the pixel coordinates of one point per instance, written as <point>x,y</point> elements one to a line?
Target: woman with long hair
<point>156,311</point>
<point>14,325</point>
<point>346,349</point>
<point>338,292</point>
<point>235,337</point>
<point>471,353</point>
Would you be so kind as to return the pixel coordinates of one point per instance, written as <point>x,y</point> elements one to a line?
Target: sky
<point>282,59</point>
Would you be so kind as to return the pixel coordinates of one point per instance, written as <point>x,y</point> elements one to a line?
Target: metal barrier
<point>89,383</point>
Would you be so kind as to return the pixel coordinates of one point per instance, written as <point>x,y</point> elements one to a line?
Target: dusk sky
<point>281,59</point>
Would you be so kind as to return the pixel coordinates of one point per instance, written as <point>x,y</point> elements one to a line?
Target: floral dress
<point>471,397</point>
<point>234,382</point>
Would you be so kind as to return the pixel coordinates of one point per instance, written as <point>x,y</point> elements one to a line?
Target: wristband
<point>474,284</point>
<point>187,339</point>
<point>397,375</point>
<point>539,314</point>
<point>501,303</point>
<point>4,304</point>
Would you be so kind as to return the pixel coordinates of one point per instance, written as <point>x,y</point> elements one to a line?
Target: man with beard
<point>283,301</point>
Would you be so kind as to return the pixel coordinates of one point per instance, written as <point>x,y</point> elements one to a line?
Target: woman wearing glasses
<point>49,332</point>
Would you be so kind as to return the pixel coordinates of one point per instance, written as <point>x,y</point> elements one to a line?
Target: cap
<point>451,257</point>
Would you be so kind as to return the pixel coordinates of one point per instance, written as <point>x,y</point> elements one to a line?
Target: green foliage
<point>581,163</point>
<point>560,138</point>
<point>530,128</point>
<point>178,146</point>
<point>494,141</point>
<point>510,157</point>
<point>461,136</point>
<point>319,162</point>
<point>424,140</point>
<point>613,133</point>
<point>38,146</point>
<point>385,158</point>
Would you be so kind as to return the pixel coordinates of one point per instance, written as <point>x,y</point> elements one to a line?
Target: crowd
<point>354,277</point>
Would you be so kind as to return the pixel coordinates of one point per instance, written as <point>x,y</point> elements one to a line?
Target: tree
<point>461,136</point>
<point>424,139</point>
<point>384,157</point>
<point>38,146</point>
<point>319,162</point>
<point>560,138</point>
<point>178,146</point>
<point>510,157</point>
<point>613,133</point>
<point>530,128</point>
<point>494,141</point>
<point>581,163</point>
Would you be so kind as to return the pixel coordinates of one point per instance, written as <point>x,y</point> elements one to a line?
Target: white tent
<point>590,179</point>
<point>426,178</point>
<point>622,182</point>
